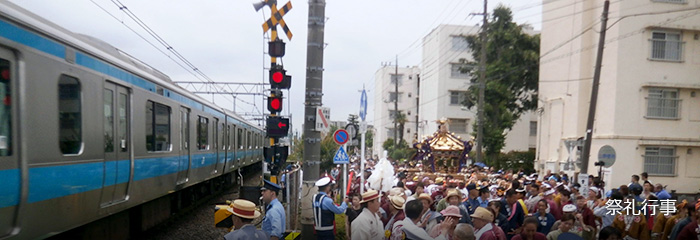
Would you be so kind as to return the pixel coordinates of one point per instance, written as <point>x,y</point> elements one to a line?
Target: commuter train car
<point>88,132</point>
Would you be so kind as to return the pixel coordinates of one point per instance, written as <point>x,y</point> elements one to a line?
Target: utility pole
<point>396,102</point>
<point>482,88</point>
<point>594,92</point>
<point>585,156</point>
<point>313,100</point>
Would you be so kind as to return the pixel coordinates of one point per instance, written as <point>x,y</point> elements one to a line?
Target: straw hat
<point>426,197</point>
<point>483,214</point>
<point>439,180</point>
<point>397,201</point>
<point>244,209</point>
<point>369,195</point>
<point>454,192</point>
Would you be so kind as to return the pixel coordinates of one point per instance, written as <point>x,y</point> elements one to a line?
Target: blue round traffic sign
<point>341,136</point>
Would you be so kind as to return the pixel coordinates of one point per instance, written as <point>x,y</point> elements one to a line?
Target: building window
<point>666,46</point>
<point>69,115</point>
<point>533,128</point>
<point>203,133</point>
<point>459,43</point>
<point>663,103</point>
<point>392,96</point>
<point>395,77</point>
<point>458,125</point>
<point>157,127</point>
<point>392,114</point>
<point>458,70</point>
<point>660,160</point>
<point>390,133</point>
<point>457,97</point>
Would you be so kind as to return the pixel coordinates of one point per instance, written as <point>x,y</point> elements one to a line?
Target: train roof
<point>104,51</point>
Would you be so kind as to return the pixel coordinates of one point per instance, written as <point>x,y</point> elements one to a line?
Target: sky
<point>224,39</point>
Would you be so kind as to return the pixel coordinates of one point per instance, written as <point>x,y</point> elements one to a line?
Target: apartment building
<point>387,79</point>
<point>648,107</point>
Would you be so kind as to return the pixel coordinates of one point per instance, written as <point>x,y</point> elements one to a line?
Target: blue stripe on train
<point>30,39</point>
<point>59,181</point>
<point>9,192</point>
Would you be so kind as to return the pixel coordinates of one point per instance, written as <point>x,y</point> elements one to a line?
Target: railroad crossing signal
<point>276,17</point>
<point>279,78</point>
<point>277,126</point>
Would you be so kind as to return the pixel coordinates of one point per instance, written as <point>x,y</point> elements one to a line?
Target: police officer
<point>243,214</point>
<point>325,210</point>
<point>274,222</point>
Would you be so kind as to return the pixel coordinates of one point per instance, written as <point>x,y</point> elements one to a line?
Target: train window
<point>222,129</point>
<point>5,109</point>
<point>109,120</point>
<point>69,115</point>
<point>202,133</point>
<point>230,136</point>
<point>215,141</point>
<point>248,140</point>
<point>239,138</point>
<point>157,127</point>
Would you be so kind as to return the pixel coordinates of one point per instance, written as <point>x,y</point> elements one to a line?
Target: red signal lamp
<point>274,104</point>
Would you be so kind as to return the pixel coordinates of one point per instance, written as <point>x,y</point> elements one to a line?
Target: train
<point>88,133</point>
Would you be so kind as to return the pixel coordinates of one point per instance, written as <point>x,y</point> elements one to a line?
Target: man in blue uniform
<point>325,210</point>
<point>243,214</point>
<point>274,222</point>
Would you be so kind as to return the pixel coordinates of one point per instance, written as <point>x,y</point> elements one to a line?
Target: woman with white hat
<point>243,214</point>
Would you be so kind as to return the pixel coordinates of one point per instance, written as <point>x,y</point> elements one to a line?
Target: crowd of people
<point>482,203</point>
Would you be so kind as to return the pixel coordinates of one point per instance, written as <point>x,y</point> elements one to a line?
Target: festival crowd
<point>484,203</point>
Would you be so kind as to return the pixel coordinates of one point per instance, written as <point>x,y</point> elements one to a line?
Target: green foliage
<point>513,160</point>
<point>328,149</point>
<point>401,152</point>
<point>512,68</point>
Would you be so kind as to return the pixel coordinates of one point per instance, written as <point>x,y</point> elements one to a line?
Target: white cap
<point>323,181</point>
<point>569,208</point>
<point>549,192</point>
<point>546,185</point>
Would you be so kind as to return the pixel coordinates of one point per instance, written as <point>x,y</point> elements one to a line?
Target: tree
<point>512,68</point>
<point>401,121</point>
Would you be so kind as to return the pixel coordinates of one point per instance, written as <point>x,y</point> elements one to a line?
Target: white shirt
<point>367,226</point>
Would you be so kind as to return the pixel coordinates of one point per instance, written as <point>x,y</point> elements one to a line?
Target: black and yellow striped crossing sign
<point>276,18</point>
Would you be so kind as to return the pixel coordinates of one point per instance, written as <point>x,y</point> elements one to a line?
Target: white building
<point>385,95</point>
<point>647,103</point>
<point>443,88</point>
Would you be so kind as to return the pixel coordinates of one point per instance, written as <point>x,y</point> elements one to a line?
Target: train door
<point>117,145</point>
<point>184,159</point>
<point>10,173</point>
<point>215,143</point>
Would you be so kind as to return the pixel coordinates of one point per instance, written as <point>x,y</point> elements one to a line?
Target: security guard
<point>274,222</point>
<point>325,210</point>
<point>243,214</point>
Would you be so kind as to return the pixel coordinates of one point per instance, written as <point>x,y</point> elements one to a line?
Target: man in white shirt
<point>368,225</point>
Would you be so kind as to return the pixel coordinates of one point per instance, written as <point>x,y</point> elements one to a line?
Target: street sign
<point>607,155</point>
<point>363,105</point>
<point>583,180</point>
<point>352,130</point>
<point>341,136</point>
<point>341,157</point>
